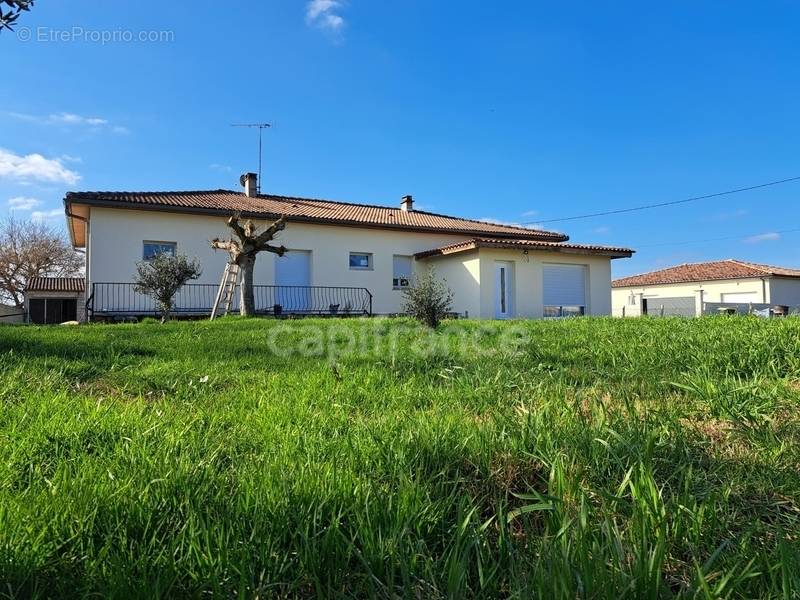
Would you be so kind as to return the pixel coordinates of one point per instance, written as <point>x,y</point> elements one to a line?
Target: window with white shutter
<point>564,290</point>
<point>401,271</point>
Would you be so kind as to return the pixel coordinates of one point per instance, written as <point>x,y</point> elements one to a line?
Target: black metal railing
<point>197,299</point>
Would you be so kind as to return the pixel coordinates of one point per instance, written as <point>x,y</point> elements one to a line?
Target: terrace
<point>119,301</point>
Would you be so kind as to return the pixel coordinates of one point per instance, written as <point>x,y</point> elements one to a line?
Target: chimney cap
<point>407,203</point>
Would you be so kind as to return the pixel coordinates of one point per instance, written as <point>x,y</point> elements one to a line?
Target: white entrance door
<point>503,288</point>
<point>293,276</point>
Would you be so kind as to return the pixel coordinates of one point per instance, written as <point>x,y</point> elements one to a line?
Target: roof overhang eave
<point>611,253</point>
<point>99,203</point>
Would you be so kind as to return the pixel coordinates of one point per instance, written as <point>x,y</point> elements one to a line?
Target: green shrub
<point>428,299</point>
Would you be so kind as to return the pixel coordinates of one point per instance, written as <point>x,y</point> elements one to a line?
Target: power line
<point>660,204</point>
<point>719,239</point>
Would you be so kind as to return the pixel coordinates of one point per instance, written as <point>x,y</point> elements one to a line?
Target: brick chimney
<point>250,183</point>
<point>407,204</point>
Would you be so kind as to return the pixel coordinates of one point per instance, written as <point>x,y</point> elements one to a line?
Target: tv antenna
<point>261,127</point>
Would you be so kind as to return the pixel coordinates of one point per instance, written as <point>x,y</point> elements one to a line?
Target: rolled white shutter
<point>564,285</point>
<point>401,266</point>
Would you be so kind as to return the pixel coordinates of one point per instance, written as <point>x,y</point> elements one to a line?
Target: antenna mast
<point>261,127</point>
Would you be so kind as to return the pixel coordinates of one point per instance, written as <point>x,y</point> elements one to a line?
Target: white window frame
<point>370,263</point>
<point>397,280</point>
<point>174,246</point>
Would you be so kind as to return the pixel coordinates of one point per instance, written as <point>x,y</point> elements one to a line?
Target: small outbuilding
<point>53,300</point>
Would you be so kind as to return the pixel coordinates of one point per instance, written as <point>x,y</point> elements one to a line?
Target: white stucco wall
<point>784,291</point>
<point>116,239</point>
<point>471,276</point>
<point>462,274</point>
<point>115,244</point>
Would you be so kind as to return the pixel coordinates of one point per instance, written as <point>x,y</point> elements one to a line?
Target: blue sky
<point>538,111</point>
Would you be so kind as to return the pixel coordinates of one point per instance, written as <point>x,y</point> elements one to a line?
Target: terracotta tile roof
<point>526,244</point>
<point>56,284</point>
<point>707,271</point>
<point>226,202</point>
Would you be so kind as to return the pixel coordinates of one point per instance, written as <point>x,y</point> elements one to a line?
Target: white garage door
<point>564,289</point>
<point>741,297</point>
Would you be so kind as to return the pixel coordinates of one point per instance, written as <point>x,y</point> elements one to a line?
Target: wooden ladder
<point>227,290</point>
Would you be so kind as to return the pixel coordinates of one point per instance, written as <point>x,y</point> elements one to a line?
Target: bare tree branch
<point>32,249</point>
<point>233,223</point>
<point>270,232</point>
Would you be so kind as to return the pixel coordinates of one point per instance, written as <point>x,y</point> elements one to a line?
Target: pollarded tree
<point>243,252</point>
<point>162,277</point>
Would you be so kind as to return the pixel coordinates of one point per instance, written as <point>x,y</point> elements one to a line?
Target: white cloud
<point>221,168</point>
<point>73,119</point>
<point>70,119</point>
<point>44,215</point>
<point>763,237</point>
<point>35,167</point>
<point>324,15</point>
<point>23,203</point>
<point>602,229</point>
<point>530,213</point>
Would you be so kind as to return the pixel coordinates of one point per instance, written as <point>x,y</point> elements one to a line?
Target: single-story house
<point>53,300</point>
<point>343,257</point>
<point>686,289</point>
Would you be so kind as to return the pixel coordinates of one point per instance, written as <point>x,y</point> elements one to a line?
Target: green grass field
<point>589,458</point>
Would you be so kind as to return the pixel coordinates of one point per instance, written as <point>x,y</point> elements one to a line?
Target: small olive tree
<point>428,299</point>
<point>162,277</point>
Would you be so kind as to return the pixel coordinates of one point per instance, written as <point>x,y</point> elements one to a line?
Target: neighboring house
<point>343,257</point>
<point>52,300</point>
<point>685,289</point>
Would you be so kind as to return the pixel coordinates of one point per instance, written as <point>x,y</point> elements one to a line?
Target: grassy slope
<point>604,458</point>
